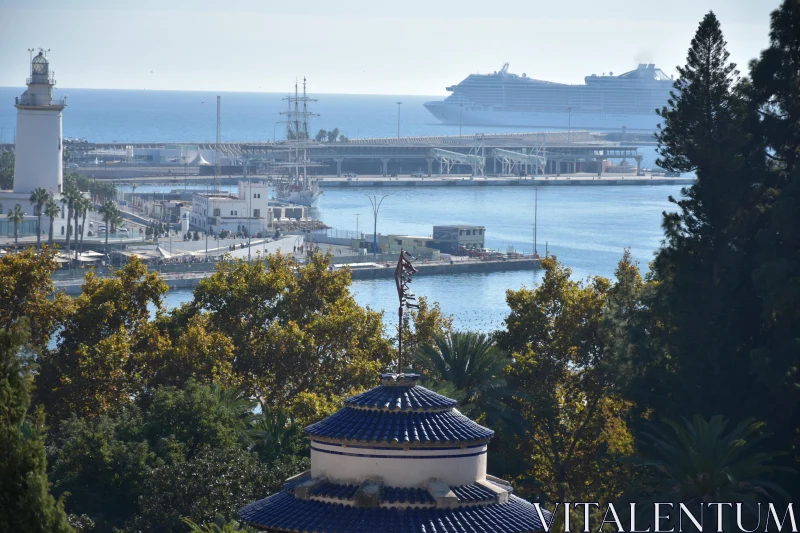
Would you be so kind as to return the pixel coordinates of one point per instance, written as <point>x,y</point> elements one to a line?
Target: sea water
<point>587,228</point>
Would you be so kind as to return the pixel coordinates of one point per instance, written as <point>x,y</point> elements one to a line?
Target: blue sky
<point>357,46</point>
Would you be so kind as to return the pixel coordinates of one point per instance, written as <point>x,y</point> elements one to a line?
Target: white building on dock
<point>249,211</point>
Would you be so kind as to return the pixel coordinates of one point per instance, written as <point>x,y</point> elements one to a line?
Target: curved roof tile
<point>398,398</point>
<point>403,427</point>
<point>284,512</point>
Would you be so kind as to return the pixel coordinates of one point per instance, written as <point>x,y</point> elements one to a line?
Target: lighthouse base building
<point>397,458</point>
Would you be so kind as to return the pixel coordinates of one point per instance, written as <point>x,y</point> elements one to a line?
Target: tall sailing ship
<point>297,187</point>
<point>606,102</point>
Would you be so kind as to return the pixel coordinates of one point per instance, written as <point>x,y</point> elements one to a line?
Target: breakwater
<point>191,276</point>
<point>457,267</point>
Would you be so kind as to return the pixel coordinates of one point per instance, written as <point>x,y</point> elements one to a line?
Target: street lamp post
<point>398,118</point>
<point>376,206</point>
<point>357,215</point>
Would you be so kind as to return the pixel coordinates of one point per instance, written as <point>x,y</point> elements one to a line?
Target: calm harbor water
<point>587,228</point>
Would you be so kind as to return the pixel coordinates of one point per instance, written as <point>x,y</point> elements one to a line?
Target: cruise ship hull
<point>475,116</point>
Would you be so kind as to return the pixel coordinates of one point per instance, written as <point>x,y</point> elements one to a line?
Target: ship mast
<point>297,118</point>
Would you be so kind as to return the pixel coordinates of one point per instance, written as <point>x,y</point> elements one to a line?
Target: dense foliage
<point>683,384</point>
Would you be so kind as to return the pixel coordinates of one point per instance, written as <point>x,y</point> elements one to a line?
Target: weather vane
<point>402,277</point>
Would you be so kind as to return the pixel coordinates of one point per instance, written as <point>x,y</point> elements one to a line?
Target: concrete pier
<point>200,271</point>
<point>480,181</point>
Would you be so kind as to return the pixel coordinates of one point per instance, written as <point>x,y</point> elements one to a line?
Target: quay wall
<point>191,278</point>
<point>500,182</point>
<point>458,267</point>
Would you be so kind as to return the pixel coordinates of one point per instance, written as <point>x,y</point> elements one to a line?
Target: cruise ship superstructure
<point>605,102</point>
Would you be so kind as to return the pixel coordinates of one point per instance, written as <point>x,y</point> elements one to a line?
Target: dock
<point>190,279</point>
<point>503,181</point>
<point>497,154</point>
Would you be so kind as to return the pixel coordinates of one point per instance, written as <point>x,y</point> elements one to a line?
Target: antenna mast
<point>216,145</point>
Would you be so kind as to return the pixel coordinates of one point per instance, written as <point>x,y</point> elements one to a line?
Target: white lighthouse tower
<point>39,149</point>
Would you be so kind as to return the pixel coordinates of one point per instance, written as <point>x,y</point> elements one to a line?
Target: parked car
<point>417,175</point>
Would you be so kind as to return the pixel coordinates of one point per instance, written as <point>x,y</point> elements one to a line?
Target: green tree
<point>106,344</point>
<point>25,501</point>
<point>699,115</point>
<point>214,482</point>
<point>109,212</point>
<point>701,461</point>
<point>174,453</point>
<point>421,327</point>
<point>68,199</point>
<point>321,136</point>
<point>39,197</point>
<point>6,170</point>
<point>51,210</point>
<point>82,207</point>
<point>333,135</point>
<point>775,361</point>
<point>276,311</point>
<point>102,463</point>
<point>218,526</point>
<point>26,290</point>
<point>16,216</point>
<point>576,430</point>
<point>696,360</point>
<point>475,368</point>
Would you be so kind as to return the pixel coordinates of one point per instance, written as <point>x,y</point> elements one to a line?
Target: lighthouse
<point>39,148</point>
<point>38,154</point>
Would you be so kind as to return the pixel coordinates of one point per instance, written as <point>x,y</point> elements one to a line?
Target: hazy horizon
<point>358,46</point>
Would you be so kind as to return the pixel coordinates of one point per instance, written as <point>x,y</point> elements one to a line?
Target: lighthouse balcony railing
<point>27,101</point>
<point>38,79</point>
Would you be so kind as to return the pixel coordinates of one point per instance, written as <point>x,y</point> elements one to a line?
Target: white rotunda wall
<point>38,151</point>
<point>398,467</point>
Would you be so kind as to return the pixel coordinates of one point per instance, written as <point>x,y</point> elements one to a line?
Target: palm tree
<point>471,365</point>
<point>16,216</point>
<point>86,206</point>
<point>51,210</point>
<point>71,194</point>
<point>704,461</point>
<point>38,198</point>
<point>110,212</point>
<point>81,208</point>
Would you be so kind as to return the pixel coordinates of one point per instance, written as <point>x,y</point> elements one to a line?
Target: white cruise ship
<point>606,102</point>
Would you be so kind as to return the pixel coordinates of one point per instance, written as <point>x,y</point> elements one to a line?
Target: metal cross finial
<point>402,277</point>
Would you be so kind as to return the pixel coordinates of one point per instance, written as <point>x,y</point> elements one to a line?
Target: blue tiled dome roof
<point>399,412</point>
<point>398,398</point>
<point>403,427</point>
<point>284,512</point>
